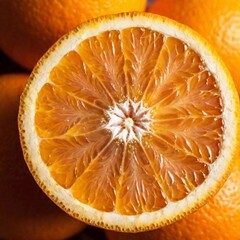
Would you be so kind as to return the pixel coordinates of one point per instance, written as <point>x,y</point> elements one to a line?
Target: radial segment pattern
<point>130,121</point>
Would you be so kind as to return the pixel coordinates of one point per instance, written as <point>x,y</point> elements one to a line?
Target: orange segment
<point>103,55</point>
<point>97,185</point>
<point>72,75</point>
<point>58,113</point>
<point>198,96</point>
<point>202,141</point>
<point>68,157</point>
<point>141,48</point>
<point>175,65</point>
<point>174,167</point>
<point>139,188</point>
<point>137,122</point>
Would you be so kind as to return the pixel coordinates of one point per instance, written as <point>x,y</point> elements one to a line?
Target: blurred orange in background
<point>29,27</point>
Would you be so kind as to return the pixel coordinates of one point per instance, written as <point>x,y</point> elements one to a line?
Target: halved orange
<point>130,122</point>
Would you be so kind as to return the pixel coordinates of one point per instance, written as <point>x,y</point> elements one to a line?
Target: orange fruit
<point>217,220</point>
<point>217,20</point>
<point>130,122</point>
<point>29,27</point>
<point>25,211</point>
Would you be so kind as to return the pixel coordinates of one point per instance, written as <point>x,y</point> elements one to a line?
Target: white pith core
<point>128,120</point>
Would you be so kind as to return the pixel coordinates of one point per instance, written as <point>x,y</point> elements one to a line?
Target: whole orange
<point>25,211</point>
<point>219,219</point>
<point>217,20</point>
<point>29,27</point>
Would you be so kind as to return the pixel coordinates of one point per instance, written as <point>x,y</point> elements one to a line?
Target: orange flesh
<point>175,139</point>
